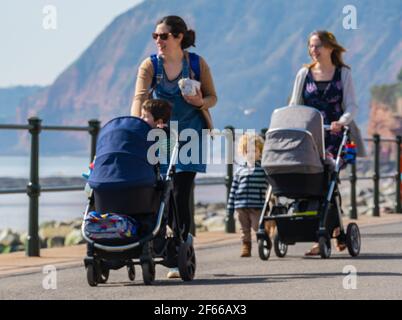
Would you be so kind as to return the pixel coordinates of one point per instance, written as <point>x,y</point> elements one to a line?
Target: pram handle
<point>327,127</point>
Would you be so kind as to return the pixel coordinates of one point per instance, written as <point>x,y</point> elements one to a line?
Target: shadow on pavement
<point>381,235</point>
<point>223,280</point>
<point>368,256</point>
<point>333,274</point>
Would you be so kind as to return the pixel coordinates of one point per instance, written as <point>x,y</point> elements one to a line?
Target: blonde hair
<point>250,142</point>
<point>328,40</point>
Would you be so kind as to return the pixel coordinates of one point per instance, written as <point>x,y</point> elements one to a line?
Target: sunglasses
<point>319,46</point>
<point>163,36</point>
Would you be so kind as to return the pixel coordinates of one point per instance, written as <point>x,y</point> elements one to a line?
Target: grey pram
<point>297,169</point>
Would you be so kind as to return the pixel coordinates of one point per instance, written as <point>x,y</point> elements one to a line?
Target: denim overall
<point>329,103</point>
<point>187,115</point>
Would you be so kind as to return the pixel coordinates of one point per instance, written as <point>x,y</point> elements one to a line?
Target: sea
<point>65,206</point>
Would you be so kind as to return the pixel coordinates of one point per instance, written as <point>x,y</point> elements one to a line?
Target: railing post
<point>33,191</point>
<point>230,224</point>
<point>263,132</point>
<point>398,175</point>
<point>94,127</point>
<point>376,176</point>
<point>353,179</point>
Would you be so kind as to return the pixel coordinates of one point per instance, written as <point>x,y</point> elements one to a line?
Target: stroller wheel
<point>186,261</point>
<point>264,248</point>
<point>148,272</point>
<point>280,248</point>
<point>353,241</point>
<point>325,247</point>
<point>92,276</point>
<point>131,272</point>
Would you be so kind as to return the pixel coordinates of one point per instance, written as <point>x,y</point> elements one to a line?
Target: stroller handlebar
<point>327,127</point>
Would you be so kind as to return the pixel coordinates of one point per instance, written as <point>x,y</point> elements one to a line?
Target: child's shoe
<point>245,249</point>
<point>173,273</point>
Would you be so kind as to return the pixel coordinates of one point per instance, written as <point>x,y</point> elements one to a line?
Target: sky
<point>40,38</point>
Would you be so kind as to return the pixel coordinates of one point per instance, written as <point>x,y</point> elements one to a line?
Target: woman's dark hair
<point>177,26</point>
<point>160,109</point>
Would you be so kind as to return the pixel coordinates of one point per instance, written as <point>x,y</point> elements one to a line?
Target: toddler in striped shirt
<point>249,186</point>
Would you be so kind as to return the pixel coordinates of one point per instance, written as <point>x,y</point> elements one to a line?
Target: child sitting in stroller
<point>125,183</point>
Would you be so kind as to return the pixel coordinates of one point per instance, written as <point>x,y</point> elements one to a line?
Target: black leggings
<point>183,185</point>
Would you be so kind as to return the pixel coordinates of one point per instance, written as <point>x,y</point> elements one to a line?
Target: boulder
<point>47,224</point>
<point>52,231</point>
<point>17,248</point>
<point>55,242</point>
<point>23,237</point>
<point>215,223</point>
<point>216,206</point>
<point>76,224</point>
<point>74,238</point>
<point>5,249</point>
<point>9,237</point>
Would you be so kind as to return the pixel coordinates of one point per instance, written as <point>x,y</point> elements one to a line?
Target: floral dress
<point>326,96</point>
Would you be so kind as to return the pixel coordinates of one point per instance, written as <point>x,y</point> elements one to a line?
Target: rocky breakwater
<point>51,234</point>
<point>207,217</point>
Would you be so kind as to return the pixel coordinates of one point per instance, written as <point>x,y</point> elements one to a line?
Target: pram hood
<point>121,155</point>
<point>294,142</point>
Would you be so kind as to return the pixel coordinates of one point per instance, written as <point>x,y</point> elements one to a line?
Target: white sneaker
<point>169,232</point>
<point>173,273</point>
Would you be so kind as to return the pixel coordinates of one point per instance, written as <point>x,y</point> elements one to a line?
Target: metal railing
<point>34,189</point>
<point>353,178</point>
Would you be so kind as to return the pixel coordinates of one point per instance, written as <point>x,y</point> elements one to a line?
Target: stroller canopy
<point>121,155</point>
<point>295,141</point>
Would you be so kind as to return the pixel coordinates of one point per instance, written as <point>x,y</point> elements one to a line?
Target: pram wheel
<point>264,248</point>
<point>131,272</point>
<point>325,247</point>
<point>92,276</point>
<point>186,261</point>
<point>148,272</point>
<point>280,248</point>
<point>353,241</point>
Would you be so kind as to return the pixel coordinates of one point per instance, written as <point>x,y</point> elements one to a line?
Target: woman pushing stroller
<point>130,204</point>
<point>160,75</point>
<point>326,84</point>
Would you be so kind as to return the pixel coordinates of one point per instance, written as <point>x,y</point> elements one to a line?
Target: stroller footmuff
<point>294,160</point>
<point>133,205</point>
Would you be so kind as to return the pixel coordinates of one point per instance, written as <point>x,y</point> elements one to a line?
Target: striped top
<point>248,188</point>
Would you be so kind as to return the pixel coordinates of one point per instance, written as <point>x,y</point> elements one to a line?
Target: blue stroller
<point>297,169</point>
<point>123,182</point>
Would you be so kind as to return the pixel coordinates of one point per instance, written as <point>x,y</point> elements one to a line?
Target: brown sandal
<point>314,251</point>
<point>339,246</point>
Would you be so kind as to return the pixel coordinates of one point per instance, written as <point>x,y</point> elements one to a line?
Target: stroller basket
<point>299,185</point>
<point>130,201</point>
<point>298,229</point>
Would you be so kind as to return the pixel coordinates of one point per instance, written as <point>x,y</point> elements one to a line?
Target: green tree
<point>400,75</point>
